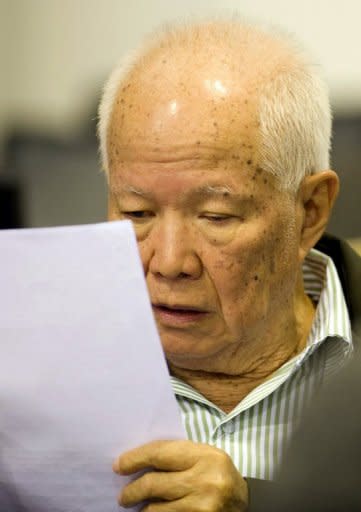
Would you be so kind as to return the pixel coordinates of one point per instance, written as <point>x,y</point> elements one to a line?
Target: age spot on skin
<point>249,162</point>
<point>255,277</point>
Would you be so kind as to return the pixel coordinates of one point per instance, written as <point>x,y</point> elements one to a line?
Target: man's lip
<point>178,316</point>
<point>179,307</point>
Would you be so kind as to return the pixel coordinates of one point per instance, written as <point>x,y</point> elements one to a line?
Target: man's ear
<point>316,197</point>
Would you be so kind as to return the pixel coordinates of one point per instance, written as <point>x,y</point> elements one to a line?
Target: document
<point>82,373</point>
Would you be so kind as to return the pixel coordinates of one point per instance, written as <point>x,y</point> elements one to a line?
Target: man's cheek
<point>247,306</point>
<point>238,281</point>
<point>244,281</point>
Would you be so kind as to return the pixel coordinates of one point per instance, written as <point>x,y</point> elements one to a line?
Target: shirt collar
<point>332,319</point>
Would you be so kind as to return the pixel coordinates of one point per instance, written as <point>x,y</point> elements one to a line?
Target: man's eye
<point>217,219</point>
<point>137,214</point>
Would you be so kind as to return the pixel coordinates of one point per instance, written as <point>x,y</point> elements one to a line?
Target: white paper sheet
<point>82,373</point>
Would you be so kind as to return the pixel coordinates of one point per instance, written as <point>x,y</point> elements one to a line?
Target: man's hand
<point>189,477</point>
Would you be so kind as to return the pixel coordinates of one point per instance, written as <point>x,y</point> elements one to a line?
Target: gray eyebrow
<point>213,190</point>
<point>204,191</point>
<point>136,191</point>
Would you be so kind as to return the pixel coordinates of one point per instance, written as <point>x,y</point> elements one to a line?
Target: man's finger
<point>163,455</point>
<point>156,485</point>
<point>181,505</point>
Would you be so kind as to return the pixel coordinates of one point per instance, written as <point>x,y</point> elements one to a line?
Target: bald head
<point>178,100</point>
<point>225,84</point>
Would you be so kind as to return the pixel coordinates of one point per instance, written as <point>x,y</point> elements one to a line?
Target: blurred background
<point>56,54</point>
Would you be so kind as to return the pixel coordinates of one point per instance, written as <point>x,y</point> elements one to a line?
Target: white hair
<point>294,113</point>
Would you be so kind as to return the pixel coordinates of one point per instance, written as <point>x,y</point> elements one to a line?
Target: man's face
<point>218,240</point>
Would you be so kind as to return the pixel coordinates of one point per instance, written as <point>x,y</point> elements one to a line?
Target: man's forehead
<point>174,101</point>
<point>142,148</point>
<point>225,180</point>
<point>201,128</point>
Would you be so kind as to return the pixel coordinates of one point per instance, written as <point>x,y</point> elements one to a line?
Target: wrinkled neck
<point>248,366</point>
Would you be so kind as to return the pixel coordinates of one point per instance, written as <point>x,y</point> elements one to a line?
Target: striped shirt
<point>255,432</point>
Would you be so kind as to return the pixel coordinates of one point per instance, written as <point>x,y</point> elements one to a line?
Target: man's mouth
<point>178,315</point>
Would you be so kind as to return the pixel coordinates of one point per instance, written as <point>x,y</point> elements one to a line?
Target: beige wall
<point>4,68</point>
<point>58,51</point>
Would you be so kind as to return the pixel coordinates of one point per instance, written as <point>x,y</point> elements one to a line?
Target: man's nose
<point>174,254</point>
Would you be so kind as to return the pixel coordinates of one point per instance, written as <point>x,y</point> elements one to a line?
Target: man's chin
<point>195,360</point>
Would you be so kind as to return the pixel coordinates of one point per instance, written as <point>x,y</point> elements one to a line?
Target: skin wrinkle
<point>248,274</point>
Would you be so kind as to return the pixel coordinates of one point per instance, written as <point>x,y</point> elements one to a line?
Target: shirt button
<point>228,428</point>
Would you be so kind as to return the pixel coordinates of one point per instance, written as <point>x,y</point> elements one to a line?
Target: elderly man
<point>215,140</point>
